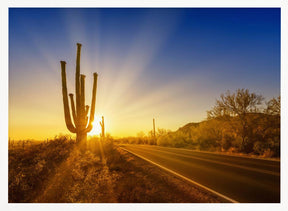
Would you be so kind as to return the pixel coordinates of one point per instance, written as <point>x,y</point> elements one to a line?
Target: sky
<point>167,64</point>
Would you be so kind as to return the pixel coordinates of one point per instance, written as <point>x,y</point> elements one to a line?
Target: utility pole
<point>154,133</point>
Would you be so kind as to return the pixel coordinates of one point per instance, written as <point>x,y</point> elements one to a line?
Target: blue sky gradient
<point>170,64</point>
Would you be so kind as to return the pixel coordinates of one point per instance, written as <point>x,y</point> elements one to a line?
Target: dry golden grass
<point>57,172</point>
<point>32,166</point>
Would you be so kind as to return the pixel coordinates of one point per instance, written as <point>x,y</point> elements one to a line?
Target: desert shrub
<point>108,144</point>
<point>206,143</point>
<point>177,139</point>
<point>260,147</point>
<point>30,168</point>
<point>162,141</point>
<point>268,148</point>
<point>227,141</point>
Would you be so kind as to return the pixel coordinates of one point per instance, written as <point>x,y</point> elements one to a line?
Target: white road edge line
<point>183,177</point>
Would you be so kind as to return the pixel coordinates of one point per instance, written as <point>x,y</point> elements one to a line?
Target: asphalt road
<point>242,179</point>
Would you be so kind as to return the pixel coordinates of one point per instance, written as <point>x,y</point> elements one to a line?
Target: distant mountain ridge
<point>187,128</point>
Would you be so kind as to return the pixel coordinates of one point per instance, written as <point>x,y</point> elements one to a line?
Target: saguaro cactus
<point>79,113</point>
<point>102,128</point>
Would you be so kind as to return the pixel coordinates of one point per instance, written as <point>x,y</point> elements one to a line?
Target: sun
<point>96,130</point>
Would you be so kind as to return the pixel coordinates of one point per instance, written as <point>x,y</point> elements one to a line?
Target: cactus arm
<point>92,111</point>
<point>86,113</point>
<point>82,100</point>
<point>73,110</point>
<point>102,122</point>
<point>68,121</point>
<point>86,110</point>
<point>86,120</point>
<point>77,81</point>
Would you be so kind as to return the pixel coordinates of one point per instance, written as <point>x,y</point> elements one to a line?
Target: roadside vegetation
<point>239,122</point>
<point>31,164</point>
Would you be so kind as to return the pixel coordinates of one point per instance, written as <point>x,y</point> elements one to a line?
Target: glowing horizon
<point>152,63</point>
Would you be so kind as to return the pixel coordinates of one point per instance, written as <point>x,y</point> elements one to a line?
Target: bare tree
<point>239,105</point>
<point>273,106</point>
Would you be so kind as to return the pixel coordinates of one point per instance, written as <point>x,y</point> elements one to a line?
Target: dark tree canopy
<point>273,106</point>
<point>236,104</point>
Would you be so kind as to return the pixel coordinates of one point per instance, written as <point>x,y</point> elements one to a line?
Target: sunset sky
<point>167,64</point>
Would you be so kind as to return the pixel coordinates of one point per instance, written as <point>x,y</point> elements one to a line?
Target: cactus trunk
<point>81,139</point>
<point>80,111</point>
<point>102,128</point>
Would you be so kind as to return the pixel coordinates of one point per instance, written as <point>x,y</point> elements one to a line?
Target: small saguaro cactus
<point>79,113</point>
<point>102,128</point>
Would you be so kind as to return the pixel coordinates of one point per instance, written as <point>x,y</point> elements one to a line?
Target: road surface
<point>242,179</point>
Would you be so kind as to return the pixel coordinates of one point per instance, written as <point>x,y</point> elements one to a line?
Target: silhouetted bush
<point>29,168</point>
